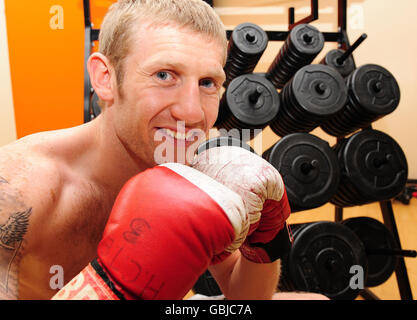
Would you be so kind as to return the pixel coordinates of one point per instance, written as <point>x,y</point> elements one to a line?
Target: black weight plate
<point>279,77</point>
<point>343,122</point>
<point>339,146</point>
<point>223,141</point>
<point>347,194</point>
<point>337,203</point>
<point>288,120</point>
<point>282,74</point>
<point>321,257</point>
<point>235,68</point>
<point>224,111</point>
<point>238,62</point>
<point>301,59</point>
<point>328,128</point>
<point>287,110</point>
<point>374,235</point>
<point>95,106</point>
<point>291,58</point>
<point>247,112</point>
<point>337,126</point>
<point>278,130</point>
<point>282,126</point>
<point>341,195</point>
<point>358,111</point>
<point>364,82</point>
<point>250,39</point>
<point>319,103</point>
<point>206,285</point>
<point>298,38</point>
<point>295,228</point>
<point>300,115</point>
<point>346,68</point>
<point>340,199</point>
<point>236,129</point>
<point>308,167</point>
<point>228,125</point>
<point>356,117</point>
<point>347,191</point>
<point>286,64</point>
<point>288,54</point>
<point>375,165</point>
<point>231,124</point>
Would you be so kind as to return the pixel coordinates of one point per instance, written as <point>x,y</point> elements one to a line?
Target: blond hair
<point>117,29</point>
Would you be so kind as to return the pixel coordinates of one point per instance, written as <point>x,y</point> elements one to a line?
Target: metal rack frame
<point>342,39</point>
<point>90,35</point>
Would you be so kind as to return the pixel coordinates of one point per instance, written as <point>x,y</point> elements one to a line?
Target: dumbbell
<point>373,166</point>
<point>96,109</point>
<point>380,246</point>
<point>303,44</point>
<point>207,285</point>
<point>246,45</point>
<point>341,60</point>
<point>373,93</point>
<point>321,258</point>
<point>309,169</point>
<point>315,93</point>
<point>249,102</point>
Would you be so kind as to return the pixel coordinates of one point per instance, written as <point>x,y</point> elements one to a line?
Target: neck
<point>111,163</point>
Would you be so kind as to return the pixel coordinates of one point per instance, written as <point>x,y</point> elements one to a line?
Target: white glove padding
<point>261,187</point>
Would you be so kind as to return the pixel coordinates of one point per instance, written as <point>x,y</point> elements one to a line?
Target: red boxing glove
<point>261,187</point>
<point>167,225</point>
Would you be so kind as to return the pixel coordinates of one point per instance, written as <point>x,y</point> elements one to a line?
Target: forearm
<point>240,278</point>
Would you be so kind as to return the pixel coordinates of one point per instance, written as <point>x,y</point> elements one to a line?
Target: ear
<point>101,75</point>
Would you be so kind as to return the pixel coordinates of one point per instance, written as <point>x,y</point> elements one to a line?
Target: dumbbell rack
<point>400,270</point>
<point>342,39</point>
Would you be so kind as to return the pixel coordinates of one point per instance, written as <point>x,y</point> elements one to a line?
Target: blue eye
<point>207,83</point>
<point>163,75</point>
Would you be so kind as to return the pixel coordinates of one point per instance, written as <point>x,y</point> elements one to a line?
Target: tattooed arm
<point>26,179</point>
<point>14,220</point>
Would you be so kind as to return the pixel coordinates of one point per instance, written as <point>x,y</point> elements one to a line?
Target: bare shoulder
<point>28,171</point>
<point>26,180</point>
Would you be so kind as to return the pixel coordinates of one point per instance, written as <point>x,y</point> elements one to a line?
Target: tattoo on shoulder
<point>12,232</point>
<point>11,238</point>
<point>14,223</point>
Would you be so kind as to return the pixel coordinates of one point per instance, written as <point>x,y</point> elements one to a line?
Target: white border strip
<point>7,117</point>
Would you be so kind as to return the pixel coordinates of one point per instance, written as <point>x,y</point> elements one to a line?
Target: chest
<point>67,241</point>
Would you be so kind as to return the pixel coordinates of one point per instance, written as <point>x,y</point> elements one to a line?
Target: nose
<point>189,106</point>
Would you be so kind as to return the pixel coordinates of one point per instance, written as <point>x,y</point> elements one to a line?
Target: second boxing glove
<point>261,187</point>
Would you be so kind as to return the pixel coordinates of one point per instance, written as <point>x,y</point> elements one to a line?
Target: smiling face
<point>172,80</point>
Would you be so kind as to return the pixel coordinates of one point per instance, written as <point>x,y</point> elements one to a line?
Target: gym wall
<point>45,41</point>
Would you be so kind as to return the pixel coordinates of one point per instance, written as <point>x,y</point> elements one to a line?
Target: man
<point>160,63</point>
